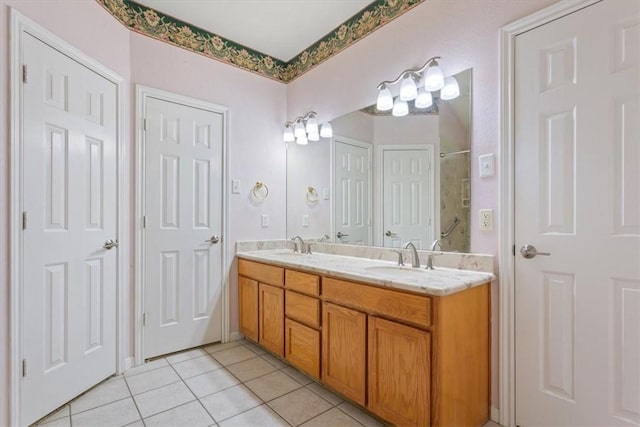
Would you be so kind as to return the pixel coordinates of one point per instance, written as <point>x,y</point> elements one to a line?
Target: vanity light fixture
<point>305,128</point>
<point>416,85</point>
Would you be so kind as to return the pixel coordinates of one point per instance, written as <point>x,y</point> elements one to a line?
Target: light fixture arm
<point>307,116</point>
<point>415,72</point>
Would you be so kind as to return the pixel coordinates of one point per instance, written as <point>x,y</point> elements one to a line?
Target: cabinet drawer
<point>302,347</point>
<point>261,272</point>
<point>399,305</point>
<point>302,308</point>
<point>303,282</point>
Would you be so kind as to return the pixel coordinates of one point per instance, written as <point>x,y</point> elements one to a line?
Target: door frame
<point>506,246</point>
<point>142,93</point>
<point>430,149</point>
<point>19,26</point>
<point>332,182</point>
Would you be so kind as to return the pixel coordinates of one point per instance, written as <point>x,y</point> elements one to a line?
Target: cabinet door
<point>399,372</point>
<point>344,336</point>
<point>248,307</point>
<point>272,318</point>
<point>302,347</point>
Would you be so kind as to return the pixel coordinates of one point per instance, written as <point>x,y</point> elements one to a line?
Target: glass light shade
<point>312,125</point>
<point>385,100</point>
<point>326,131</point>
<point>408,89</point>
<point>424,99</point>
<point>433,79</point>
<point>314,137</point>
<point>288,135</point>
<point>302,140</point>
<point>298,129</point>
<point>451,90</point>
<point>400,108</point>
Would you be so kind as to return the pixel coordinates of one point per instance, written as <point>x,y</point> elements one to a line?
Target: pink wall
<point>466,34</point>
<point>255,148</point>
<point>256,111</point>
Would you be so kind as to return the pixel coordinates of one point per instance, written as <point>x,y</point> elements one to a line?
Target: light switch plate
<point>487,164</point>
<point>235,186</point>
<point>486,219</point>
<point>325,193</point>
<point>265,220</point>
<point>305,220</point>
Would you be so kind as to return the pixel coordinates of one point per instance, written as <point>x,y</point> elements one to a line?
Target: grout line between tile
<point>134,402</point>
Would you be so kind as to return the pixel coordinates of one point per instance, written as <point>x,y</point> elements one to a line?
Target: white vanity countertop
<point>441,281</point>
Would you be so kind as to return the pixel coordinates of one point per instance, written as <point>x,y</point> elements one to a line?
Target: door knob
<point>213,240</point>
<point>340,235</point>
<point>388,233</point>
<point>110,244</point>
<point>529,251</point>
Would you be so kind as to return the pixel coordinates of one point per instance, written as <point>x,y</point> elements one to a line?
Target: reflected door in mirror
<point>352,168</point>
<point>407,195</point>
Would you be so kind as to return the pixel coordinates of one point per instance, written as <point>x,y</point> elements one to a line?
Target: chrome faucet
<point>415,258</point>
<point>296,250</point>
<point>434,245</point>
<point>324,238</point>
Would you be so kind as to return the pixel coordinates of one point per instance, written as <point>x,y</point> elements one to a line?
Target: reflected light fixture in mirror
<point>416,85</point>
<point>305,128</point>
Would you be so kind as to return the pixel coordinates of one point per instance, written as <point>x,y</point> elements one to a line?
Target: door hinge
<point>24,73</point>
<point>144,319</point>
<point>24,220</point>
<point>24,367</point>
<point>144,124</point>
<point>144,221</point>
<point>513,250</point>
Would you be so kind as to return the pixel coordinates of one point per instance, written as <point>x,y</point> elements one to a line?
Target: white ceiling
<point>279,28</point>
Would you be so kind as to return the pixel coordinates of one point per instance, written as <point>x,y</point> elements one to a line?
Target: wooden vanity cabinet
<point>261,304</point>
<point>344,351</point>
<point>271,328</point>
<point>410,358</point>
<point>248,307</point>
<point>302,323</point>
<point>399,372</point>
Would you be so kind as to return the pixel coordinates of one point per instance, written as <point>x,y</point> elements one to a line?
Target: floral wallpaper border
<point>165,28</point>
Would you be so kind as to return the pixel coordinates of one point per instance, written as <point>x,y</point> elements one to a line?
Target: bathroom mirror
<point>384,180</point>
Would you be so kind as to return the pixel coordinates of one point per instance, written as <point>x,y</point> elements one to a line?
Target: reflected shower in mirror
<point>384,180</point>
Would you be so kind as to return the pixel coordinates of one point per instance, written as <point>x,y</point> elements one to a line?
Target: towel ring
<point>258,192</point>
<point>312,195</point>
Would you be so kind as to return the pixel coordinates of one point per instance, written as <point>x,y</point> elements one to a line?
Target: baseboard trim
<point>495,415</point>
<point>235,336</point>
<point>128,363</point>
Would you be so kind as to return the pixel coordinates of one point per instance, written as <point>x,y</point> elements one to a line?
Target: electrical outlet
<point>265,220</point>
<point>486,219</point>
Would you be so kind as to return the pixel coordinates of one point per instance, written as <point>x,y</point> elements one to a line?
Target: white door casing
<point>70,202</point>
<point>183,224</point>
<point>407,183</point>
<point>577,197</point>
<point>352,191</point>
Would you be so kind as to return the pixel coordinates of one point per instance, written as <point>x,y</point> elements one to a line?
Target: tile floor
<point>232,384</point>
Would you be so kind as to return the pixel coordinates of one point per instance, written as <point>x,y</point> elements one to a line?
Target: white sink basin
<point>396,269</point>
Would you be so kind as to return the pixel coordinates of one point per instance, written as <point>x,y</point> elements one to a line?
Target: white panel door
<point>69,197</point>
<point>407,197</point>
<point>183,209</point>
<point>578,198</point>
<point>352,183</point>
